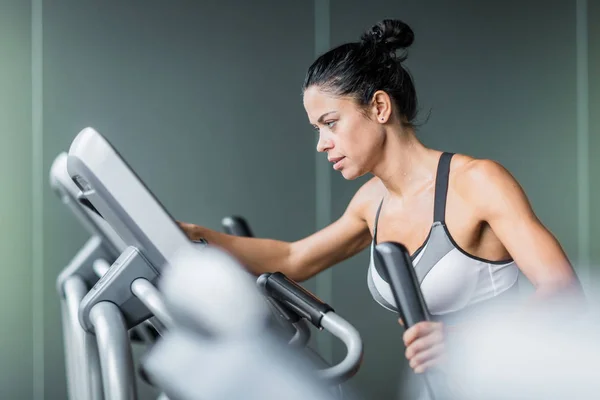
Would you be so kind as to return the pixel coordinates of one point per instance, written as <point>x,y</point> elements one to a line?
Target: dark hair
<point>359,69</point>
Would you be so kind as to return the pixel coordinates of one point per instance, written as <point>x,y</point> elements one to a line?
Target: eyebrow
<point>322,117</point>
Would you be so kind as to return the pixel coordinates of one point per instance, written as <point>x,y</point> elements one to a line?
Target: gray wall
<point>594,130</point>
<point>205,104</point>
<point>499,79</point>
<point>16,356</point>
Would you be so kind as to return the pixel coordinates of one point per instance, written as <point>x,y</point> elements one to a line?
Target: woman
<point>466,222</point>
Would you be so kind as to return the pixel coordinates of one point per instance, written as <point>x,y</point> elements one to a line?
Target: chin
<point>351,174</point>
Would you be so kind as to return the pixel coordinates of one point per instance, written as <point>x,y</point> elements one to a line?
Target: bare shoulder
<point>486,183</point>
<point>474,173</point>
<point>365,197</point>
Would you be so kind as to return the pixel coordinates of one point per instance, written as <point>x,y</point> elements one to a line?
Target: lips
<point>337,162</point>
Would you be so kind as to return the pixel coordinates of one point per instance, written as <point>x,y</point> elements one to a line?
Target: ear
<point>382,106</point>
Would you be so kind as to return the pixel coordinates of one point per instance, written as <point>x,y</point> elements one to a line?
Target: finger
<point>427,356</point>
<point>427,365</point>
<point>423,343</point>
<point>401,322</point>
<point>420,329</point>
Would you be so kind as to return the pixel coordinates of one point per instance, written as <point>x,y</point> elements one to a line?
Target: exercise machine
<point>294,307</point>
<point>221,347</point>
<point>77,278</point>
<point>126,295</point>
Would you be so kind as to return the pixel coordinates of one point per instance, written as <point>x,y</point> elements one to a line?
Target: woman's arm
<point>302,259</point>
<point>499,200</point>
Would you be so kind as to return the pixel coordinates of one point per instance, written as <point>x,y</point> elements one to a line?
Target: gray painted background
<point>16,356</point>
<point>594,110</point>
<point>205,104</point>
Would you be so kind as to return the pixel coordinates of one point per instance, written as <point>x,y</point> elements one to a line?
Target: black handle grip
<point>284,312</point>
<point>236,226</point>
<point>412,308</point>
<point>398,267</point>
<point>295,297</point>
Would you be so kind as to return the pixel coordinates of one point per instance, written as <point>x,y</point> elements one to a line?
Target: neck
<point>405,164</point>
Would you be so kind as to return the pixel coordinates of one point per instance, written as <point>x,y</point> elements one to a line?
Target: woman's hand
<point>192,231</point>
<point>425,345</point>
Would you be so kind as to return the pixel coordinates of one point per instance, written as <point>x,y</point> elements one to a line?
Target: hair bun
<point>391,34</point>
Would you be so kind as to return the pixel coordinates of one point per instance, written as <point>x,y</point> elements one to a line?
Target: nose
<point>324,144</point>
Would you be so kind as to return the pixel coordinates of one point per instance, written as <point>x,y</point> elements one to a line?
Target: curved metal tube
<point>92,359</point>
<point>342,329</point>
<point>151,298</point>
<point>69,351</point>
<point>86,374</point>
<point>302,335</point>
<point>101,266</point>
<point>116,360</point>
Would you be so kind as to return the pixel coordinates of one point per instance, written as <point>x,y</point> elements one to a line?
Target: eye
<point>330,124</point>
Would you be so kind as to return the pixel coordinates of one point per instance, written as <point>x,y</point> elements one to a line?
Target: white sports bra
<point>451,279</point>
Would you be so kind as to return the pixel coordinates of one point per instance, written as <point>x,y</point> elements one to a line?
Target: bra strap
<point>441,187</point>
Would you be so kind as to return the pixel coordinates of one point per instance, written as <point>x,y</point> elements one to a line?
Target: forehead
<point>317,103</point>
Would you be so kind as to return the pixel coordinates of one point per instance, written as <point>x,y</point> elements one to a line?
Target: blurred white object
<point>209,289</point>
<point>551,355</point>
<point>220,347</point>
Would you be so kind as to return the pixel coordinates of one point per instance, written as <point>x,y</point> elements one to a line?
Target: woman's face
<point>350,135</point>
